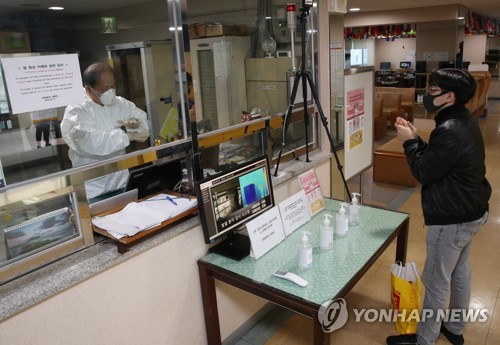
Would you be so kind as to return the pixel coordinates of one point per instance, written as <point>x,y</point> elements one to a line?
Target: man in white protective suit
<point>102,127</point>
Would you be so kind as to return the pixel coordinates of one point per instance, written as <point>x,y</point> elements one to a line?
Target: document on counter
<point>172,204</point>
<point>140,216</point>
<point>134,217</point>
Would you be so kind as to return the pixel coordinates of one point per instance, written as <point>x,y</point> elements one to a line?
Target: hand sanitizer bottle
<point>354,210</point>
<point>342,222</point>
<point>326,233</point>
<point>305,252</point>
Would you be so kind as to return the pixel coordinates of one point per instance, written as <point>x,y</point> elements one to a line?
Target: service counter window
<point>228,84</point>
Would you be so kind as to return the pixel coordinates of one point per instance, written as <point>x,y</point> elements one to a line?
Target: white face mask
<point>108,97</point>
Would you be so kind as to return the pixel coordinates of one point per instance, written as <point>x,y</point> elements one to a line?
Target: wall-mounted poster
<point>43,82</point>
<point>355,116</point>
<point>358,120</point>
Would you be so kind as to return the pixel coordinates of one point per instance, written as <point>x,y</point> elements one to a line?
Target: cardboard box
<point>198,30</point>
<point>226,30</point>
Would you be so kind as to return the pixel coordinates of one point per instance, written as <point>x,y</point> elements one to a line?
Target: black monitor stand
<point>235,246</point>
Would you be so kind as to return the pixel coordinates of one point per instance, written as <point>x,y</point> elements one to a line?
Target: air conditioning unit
<point>338,6</point>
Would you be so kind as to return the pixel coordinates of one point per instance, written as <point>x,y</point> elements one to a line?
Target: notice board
<point>358,117</point>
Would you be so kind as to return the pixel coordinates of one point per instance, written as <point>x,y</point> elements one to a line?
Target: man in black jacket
<point>455,196</point>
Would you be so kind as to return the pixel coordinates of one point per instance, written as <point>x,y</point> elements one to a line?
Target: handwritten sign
<point>265,232</point>
<point>294,212</point>
<point>43,82</point>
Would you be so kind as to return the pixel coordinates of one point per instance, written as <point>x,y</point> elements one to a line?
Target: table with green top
<point>333,275</point>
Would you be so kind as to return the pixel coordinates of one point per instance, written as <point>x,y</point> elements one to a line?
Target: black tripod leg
<point>324,121</point>
<point>287,119</point>
<point>306,114</point>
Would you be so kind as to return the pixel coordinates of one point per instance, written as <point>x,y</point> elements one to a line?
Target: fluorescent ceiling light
<point>56,8</point>
<point>354,9</point>
<point>460,18</point>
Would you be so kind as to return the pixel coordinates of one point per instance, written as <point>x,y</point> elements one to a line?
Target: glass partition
<point>134,40</point>
<point>242,57</point>
<point>151,46</point>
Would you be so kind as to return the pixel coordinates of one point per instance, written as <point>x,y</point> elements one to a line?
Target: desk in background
<point>399,78</point>
<point>334,272</point>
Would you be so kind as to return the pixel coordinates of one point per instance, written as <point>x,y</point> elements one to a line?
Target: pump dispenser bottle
<point>342,222</point>
<point>326,233</point>
<point>305,252</point>
<point>354,210</point>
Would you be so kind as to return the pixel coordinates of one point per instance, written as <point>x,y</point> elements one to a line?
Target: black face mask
<point>429,102</point>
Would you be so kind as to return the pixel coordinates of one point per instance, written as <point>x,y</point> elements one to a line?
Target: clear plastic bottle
<point>305,252</point>
<point>354,209</point>
<point>342,222</point>
<point>326,233</point>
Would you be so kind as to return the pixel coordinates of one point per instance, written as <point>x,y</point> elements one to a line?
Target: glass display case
<point>37,230</point>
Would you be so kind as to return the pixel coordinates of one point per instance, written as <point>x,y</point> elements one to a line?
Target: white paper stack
<point>140,216</point>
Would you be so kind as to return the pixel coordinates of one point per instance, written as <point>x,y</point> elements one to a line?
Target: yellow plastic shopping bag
<point>406,296</point>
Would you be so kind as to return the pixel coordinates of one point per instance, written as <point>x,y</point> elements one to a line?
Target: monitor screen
<point>227,201</point>
<point>151,179</point>
<point>405,64</point>
<point>385,65</point>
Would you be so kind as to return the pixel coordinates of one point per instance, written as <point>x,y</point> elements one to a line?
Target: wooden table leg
<point>122,248</point>
<point>210,310</point>
<point>319,337</point>
<point>402,242</point>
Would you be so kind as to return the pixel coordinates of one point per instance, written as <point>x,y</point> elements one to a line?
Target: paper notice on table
<point>310,184</point>
<point>294,212</point>
<point>265,232</point>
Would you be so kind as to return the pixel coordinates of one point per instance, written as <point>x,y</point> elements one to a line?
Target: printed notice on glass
<point>265,232</point>
<point>294,212</point>
<point>310,184</point>
<point>43,82</point>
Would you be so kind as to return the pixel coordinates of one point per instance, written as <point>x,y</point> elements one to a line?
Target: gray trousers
<point>447,275</point>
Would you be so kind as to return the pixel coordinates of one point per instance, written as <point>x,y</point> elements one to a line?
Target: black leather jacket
<point>451,169</point>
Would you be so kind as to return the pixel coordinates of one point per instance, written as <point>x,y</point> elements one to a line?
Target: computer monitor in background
<point>405,64</point>
<point>151,179</point>
<point>385,66</point>
<point>446,64</point>
<point>227,201</point>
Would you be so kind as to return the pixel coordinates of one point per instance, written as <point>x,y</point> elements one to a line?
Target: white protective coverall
<point>93,134</point>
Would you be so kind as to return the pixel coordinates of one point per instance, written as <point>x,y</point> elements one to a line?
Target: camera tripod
<point>306,78</point>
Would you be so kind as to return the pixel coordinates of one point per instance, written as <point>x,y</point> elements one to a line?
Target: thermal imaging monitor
<point>227,201</point>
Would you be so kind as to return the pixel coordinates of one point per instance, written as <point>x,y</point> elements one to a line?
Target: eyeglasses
<point>435,90</point>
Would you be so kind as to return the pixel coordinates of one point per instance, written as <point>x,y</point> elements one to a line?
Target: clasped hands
<point>406,130</point>
<point>129,123</point>
<point>133,123</point>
